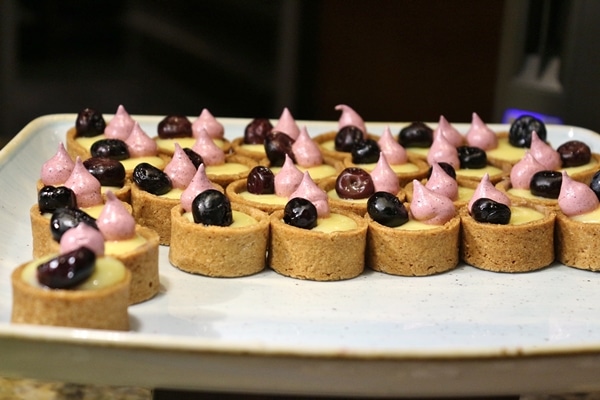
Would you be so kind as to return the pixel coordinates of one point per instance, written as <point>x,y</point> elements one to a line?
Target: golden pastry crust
<point>577,243</point>
<point>403,177</point>
<point>153,212</point>
<point>307,254</point>
<point>237,145</point>
<point>234,189</point>
<point>508,248</point>
<point>219,251</point>
<point>358,207</point>
<point>413,252</point>
<point>142,262</point>
<point>90,309</point>
<point>74,148</point>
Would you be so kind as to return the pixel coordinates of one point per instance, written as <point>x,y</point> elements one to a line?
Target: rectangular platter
<point>465,332</point>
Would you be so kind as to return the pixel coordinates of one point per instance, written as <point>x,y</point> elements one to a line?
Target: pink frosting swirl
<point>441,183</point>
<point>485,189</point>
<point>349,117</point>
<point>180,169</point>
<point>57,169</point>
<point>199,184</point>
<point>114,221</point>
<point>384,178</point>
<point>211,153</point>
<point>310,191</point>
<point>206,121</point>
<point>288,178</point>
<point>522,171</point>
<point>544,153</point>
<point>479,135</point>
<point>120,126</point>
<point>287,124</point>
<point>306,151</point>
<point>82,235</point>
<point>86,187</point>
<point>429,207</point>
<point>395,154</point>
<point>442,150</point>
<point>576,198</point>
<point>140,144</point>
<point>449,132</point>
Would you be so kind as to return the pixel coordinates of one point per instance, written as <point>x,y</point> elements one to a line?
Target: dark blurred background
<point>391,60</point>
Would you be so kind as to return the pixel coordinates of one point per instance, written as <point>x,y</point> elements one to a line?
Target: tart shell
<point>91,309</point>
<point>577,243</point>
<point>219,251</point>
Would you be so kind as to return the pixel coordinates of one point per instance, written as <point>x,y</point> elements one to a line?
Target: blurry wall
<point>388,59</point>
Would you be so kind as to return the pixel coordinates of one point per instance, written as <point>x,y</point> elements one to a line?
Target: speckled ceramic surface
<point>468,329</point>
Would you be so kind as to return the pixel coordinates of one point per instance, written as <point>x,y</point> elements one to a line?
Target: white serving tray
<point>466,332</point>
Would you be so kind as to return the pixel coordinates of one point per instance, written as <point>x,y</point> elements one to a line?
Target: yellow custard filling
<point>414,225</point>
<point>119,247</point>
<point>332,194</point>
<point>592,217</point>
<point>335,223</point>
<point>581,168</point>
<point>464,193</point>
<point>226,169</point>
<point>87,142</point>
<point>506,151</point>
<point>131,163</point>
<point>397,168</point>
<point>240,219</point>
<point>329,145</point>
<point>526,194</point>
<point>316,172</point>
<point>264,198</point>
<point>254,148</point>
<point>173,194</point>
<point>522,215</point>
<point>479,172</point>
<point>109,271</point>
<point>420,151</point>
<point>168,145</point>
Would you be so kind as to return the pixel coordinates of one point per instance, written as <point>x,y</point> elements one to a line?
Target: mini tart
<point>326,142</point>
<point>584,173</point>
<point>142,262</point>
<point>253,151</point>
<point>356,206</point>
<point>577,242</point>
<point>508,248</point>
<point>465,192</point>
<point>236,167</point>
<point>104,308</point>
<point>415,168</point>
<point>413,252</point>
<point>525,195</point>
<point>237,192</point>
<point>123,193</point>
<point>316,255</point>
<point>42,241</point>
<point>166,147</point>
<point>220,251</point>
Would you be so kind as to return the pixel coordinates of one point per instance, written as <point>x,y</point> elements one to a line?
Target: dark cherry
<point>448,168</point>
<point>110,148</point>
<point>354,183</point>
<point>365,152</point>
<point>64,219</point>
<point>417,134</point>
<point>519,134</point>
<point>471,157</point>
<point>68,269</point>
<point>52,197</point>
<point>261,180</point>
<point>212,207</point>
<point>574,153</point>
<point>387,209</point>
<point>174,126</point>
<point>194,157</point>
<point>89,123</point>
<point>490,211</point>
<point>109,172</point>
<point>277,145</point>
<point>151,179</point>
<point>300,213</point>
<point>346,137</point>
<point>546,184</point>
<point>595,184</point>
<point>256,131</point>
